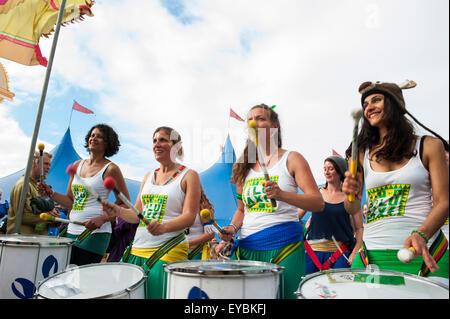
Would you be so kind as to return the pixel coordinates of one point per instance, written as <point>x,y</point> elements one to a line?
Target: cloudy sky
<point>140,64</point>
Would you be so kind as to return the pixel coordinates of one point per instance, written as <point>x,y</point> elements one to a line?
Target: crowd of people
<point>405,176</point>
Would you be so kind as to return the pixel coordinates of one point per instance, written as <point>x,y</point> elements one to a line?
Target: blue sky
<point>142,64</point>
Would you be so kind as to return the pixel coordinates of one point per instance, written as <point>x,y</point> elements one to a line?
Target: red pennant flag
<point>336,153</point>
<point>77,107</point>
<point>235,115</point>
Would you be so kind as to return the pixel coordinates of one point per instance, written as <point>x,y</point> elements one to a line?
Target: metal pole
<point>37,124</point>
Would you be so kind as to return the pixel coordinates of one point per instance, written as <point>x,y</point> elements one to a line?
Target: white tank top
<point>161,203</point>
<point>258,211</point>
<point>196,229</point>
<point>85,206</point>
<point>399,202</point>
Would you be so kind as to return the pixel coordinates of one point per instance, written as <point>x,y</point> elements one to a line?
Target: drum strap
<point>195,251</point>
<point>63,231</point>
<point>84,235</point>
<point>364,255</point>
<point>331,260</point>
<point>164,249</point>
<point>437,250</point>
<point>285,252</point>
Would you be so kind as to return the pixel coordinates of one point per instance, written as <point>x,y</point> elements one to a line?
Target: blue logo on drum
<point>24,288</point>
<point>197,293</point>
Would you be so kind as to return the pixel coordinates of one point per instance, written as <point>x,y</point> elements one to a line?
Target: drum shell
<point>112,280</point>
<point>26,259</point>
<point>319,286</point>
<point>264,284</point>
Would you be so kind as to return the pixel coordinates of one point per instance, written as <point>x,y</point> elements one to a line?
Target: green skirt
<point>293,263</point>
<point>155,276</point>
<point>387,260</point>
<point>96,243</point>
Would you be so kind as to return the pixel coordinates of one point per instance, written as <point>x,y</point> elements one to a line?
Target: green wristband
<point>239,196</point>
<point>421,234</point>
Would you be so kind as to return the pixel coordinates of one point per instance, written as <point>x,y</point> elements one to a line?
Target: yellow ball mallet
<point>206,214</point>
<point>252,124</point>
<point>46,216</point>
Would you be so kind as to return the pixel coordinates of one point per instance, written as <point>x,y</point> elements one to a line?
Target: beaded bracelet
<point>421,234</point>
<point>235,228</point>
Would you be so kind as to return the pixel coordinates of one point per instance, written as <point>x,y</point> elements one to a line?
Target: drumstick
<point>252,124</point>
<point>356,115</point>
<point>337,245</point>
<point>72,171</point>
<point>41,162</point>
<point>110,183</point>
<point>206,214</point>
<point>46,216</point>
<point>406,255</point>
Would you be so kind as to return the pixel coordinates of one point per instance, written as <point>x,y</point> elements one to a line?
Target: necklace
<point>267,162</point>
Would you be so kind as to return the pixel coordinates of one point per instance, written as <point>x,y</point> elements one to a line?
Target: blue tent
<point>216,183</point>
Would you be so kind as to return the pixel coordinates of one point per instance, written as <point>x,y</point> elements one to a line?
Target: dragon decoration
<point>4,88</point>
<point>24,22</point>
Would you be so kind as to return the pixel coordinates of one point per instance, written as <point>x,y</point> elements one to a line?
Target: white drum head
<point>222,267</point>
<point>103,280</point>
<point>362,284</point>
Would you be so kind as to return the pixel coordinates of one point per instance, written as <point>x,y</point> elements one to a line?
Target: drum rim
<point>114,294</point>
<point>13,240</point>
<point>298,292</point>
<point>271,268</point>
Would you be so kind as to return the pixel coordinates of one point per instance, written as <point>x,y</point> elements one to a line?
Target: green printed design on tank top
<point>80,197</point>
<point>254,195</point>
<point>387,201</point>
<point>154,207</point>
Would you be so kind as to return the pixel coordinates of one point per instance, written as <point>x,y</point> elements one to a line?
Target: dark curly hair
<point>110,137</point>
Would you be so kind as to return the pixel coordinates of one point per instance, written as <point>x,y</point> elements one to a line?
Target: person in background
<point>3,214</point>
<point>35,204</point>
<point>201,232</point>
<point>334,237</point>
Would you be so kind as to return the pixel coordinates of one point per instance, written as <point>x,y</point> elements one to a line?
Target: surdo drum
<point>367,284</point>
<point>222,279</point>
<point>26,259</point>
<point>110,280</point>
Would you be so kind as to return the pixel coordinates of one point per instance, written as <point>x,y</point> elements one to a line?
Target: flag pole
<point>19,213</point>
<point>71,112</point>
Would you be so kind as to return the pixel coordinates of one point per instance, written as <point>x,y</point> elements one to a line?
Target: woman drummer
<point>169,199</point>
<point>267,233</point>
<point>201,232</point>
<point>101,142</point>
<point>334,236</point>
<point>406,178</point>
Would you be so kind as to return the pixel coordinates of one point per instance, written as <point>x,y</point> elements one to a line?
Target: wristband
<point>235,228</point>
<point>120,210</point>
<point>421,234</point>
<point>239,196</point>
